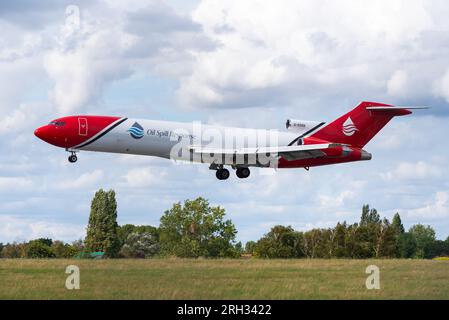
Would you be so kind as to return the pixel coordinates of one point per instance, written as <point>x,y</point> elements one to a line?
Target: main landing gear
<point>243,173</point>
<point>73,158</point>
<point>223,174</point>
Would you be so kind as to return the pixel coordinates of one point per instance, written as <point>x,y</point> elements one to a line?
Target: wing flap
<point>290,153</point>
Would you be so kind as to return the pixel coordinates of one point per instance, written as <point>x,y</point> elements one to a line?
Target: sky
<point>248,63</point>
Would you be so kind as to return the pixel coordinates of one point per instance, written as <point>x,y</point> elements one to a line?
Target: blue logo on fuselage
<point>136,131</point>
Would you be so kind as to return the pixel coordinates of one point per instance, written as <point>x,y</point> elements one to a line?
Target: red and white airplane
<point>304,144</point>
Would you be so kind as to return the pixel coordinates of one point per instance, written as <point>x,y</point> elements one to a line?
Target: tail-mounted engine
<point>300,126</point>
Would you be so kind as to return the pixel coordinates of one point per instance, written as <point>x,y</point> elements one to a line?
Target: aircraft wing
<point>290,153</point>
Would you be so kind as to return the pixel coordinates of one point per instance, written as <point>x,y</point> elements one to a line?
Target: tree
<point>14,250</point>
<point>406,245</point>
<point>124,231</point>
<point>63,250</point>
<point>46,241</point>
<point>340,249</point>
<point>425,237</point>
<point>438,248</point>
<point>280,242</point>
<point>140,245</point>
<point>384,239</point>
<point>239,248</point>
<point>361,241</point>
<point>399,230</point>
<point>249,247</point>
<point>365,214</point>
<point>351,241</point>
<point>102,228</point>
<point>397,225</point>
<point>311,243</point>
<point>369,216</point>
<point>195,229</point>
<point>39,249</point>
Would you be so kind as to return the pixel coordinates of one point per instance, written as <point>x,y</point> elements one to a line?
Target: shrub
<point>39,249</point>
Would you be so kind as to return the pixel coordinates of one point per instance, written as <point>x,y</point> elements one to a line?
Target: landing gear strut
<point>73,158</point>
<point>243,173</point>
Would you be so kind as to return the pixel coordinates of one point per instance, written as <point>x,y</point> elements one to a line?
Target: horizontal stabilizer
<point>396,108</point>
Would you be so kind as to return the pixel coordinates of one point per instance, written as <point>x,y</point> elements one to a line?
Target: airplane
<point>304,144</point>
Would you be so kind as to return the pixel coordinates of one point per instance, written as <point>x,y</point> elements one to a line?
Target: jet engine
<point>300,126</point>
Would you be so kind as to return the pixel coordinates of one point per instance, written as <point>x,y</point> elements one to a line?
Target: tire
<point>73,158</point>
<point>222,174</point>
<point>243,173</point>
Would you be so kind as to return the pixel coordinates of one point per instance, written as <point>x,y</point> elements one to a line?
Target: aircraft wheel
<point>73,158</point>
<point>222,174</point>
<point>243,173</point>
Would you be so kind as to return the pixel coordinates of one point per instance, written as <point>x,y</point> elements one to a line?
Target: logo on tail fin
<point>349,127</point>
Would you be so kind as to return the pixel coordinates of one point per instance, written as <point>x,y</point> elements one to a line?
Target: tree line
<point>194,229</point>
<point>371,237</point>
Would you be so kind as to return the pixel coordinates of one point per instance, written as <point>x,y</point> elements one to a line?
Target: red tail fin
<point>360,125</point>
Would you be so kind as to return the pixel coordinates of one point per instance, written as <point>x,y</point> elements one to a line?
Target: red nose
<point>42,133</point>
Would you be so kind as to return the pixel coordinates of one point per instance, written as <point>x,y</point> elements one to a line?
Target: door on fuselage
<point>82,126</point>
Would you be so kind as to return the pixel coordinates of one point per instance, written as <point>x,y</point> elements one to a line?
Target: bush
<point>14,250</point>
<point>441,259</point>
<point>39,249</point>
<point>124,231</point>
<point>63,250</point>
<point>140,245</point>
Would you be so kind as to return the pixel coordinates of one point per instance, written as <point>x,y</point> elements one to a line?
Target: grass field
<point>224,279</point>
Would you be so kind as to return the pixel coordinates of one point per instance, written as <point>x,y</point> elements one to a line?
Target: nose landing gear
<point>73,158</point>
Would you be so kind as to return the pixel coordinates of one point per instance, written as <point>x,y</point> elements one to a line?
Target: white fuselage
<point>172,140</point>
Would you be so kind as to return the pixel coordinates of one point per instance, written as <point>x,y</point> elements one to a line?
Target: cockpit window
<point>57,123</point>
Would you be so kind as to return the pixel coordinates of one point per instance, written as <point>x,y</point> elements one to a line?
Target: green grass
<point>224,279</point>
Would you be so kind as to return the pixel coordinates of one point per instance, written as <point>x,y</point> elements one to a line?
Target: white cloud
<point>436,209</point>
<point>312,50</point>
<point>441,86</point>
<point>114,41</point>
<point>398,84</point>
<point>261,61</point>
<point>144,177</point>
<point>24,229</point>
<point>336,201</point>
<point>87,56</point>
<point>15,183</point>
<point>86,180</point>
<point>412,171</point>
